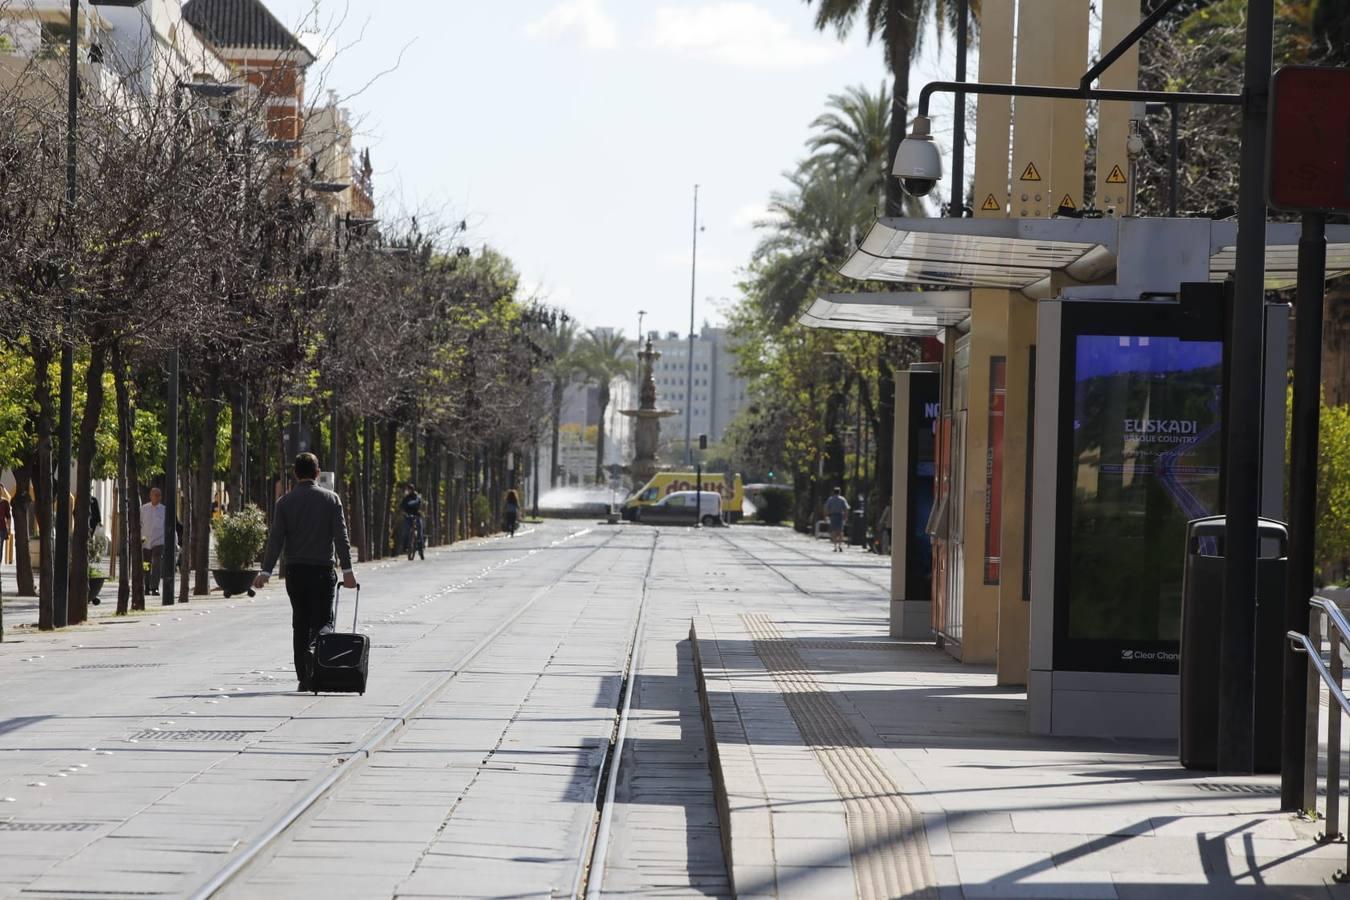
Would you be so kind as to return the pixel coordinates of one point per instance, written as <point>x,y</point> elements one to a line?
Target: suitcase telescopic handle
<point>356,610</point>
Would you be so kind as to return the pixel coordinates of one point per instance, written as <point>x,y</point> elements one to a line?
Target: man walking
<point>152,535</point>
<point>309,526</point>
<point>836,508</point>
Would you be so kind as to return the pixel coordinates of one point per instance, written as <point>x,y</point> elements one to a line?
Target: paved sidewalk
<point>849,763</point>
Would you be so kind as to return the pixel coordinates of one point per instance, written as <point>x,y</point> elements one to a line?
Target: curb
<point>710,739</point>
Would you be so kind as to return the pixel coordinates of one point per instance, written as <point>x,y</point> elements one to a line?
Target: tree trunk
<point>900,39</point>
<point>42,484</point>
<point>603,400</point>
<point>84,464</point>
<point>187,500</point>
<point>238,449</point>
<point>20,508</point>
<point>206,476</point>
<point>388,523</point>
<point>131,496</point>
<point>558,389</point>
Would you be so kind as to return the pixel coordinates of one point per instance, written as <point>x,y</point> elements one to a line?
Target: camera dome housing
<point>918,164</point>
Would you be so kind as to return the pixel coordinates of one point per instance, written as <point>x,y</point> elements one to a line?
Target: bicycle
<point>415,538</point>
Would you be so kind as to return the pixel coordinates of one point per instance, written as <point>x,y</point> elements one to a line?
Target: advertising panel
<point>923,426</point>
<point>1140,456</point>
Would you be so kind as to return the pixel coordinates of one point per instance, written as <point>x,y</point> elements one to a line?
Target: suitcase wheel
<point>251,592</point>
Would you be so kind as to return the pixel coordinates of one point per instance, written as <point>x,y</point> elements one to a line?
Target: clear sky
<point>570,133</point>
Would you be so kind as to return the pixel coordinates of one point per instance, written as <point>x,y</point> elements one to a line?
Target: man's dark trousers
<point>311,591</point>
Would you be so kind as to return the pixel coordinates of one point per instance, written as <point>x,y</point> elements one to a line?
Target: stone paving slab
<point>1005,814</point>
<point>80,746</point>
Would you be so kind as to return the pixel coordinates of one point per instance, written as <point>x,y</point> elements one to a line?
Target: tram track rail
<point>590,876</point>
<point>350,761</point>
<point>872,585</point>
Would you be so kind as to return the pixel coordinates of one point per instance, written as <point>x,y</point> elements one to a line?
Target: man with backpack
<point>309,526</point>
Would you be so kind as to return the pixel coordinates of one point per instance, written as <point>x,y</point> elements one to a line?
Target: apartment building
<point>713,397</point>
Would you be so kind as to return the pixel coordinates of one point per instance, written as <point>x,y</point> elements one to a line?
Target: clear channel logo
<point>1150,655</point>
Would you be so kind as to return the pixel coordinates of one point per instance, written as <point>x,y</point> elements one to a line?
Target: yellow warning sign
<point>990,204</point>
<point>1067,202</point>
<point>1116,176</point>
<point>1030,173</point>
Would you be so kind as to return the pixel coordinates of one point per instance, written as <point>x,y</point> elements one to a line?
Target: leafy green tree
<point>604,355</point>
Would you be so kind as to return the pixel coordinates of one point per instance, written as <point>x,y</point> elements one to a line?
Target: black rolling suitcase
<point>341,661</point>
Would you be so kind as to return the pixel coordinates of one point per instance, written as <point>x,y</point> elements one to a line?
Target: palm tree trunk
<point>603,400</point>
<point>557,426</point>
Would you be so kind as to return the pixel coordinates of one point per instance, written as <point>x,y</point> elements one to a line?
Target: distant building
<point>716,394</point>
<point>262,52</point>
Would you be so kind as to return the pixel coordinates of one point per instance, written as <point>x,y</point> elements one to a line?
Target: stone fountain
<point>647,428</point>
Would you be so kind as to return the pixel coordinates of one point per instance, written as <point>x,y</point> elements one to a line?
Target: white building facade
<point>713,397</point>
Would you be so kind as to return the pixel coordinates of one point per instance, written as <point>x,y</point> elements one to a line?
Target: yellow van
<point>663,483</point>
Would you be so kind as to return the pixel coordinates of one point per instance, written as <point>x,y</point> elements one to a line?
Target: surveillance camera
<point>918,164</point>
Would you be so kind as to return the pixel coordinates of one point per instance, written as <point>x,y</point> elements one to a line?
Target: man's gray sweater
<point>308,526</point>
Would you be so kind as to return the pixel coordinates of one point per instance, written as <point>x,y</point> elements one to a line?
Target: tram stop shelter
<point>1046,468</point>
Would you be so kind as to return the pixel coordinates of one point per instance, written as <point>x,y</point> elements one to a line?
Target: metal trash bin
<point>857,531</point>
<point>1201,624</point>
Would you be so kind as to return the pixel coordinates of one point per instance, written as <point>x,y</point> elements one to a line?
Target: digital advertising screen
<point>1141,457</point>
<point>923,420</point>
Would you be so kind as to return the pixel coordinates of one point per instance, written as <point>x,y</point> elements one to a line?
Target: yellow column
<point>980,537</point>
<point>1014,607</point>
<point>1113,119</point>
<point>1070,55</point>
<point>993,115</point>
<point>1033,118</point>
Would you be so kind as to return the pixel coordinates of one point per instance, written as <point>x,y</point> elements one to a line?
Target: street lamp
<point>689,385</point>
<point>61,551</point>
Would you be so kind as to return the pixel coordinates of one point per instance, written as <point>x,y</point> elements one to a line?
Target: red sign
<point>1309,159</point>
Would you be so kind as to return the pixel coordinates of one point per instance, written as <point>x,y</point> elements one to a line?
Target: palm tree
<point>604,356</point>
<point>900,24</point>
<point>562,368</point>
<point>852,136</point>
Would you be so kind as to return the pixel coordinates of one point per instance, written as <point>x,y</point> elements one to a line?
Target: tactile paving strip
<point>886,834</point>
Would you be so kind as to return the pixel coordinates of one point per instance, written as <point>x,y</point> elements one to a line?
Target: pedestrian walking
<point>309,527</point>
<point>836,508</point>
<point>512,512</point>
<point>152,536</point>
<point>414,539</point>
<point>4,522</point>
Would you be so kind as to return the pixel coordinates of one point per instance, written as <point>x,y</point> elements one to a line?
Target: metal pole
<point>957,207</point>
<point>698,495</point>
<point>171,483</point>
<point>61,552</point>
<point>1173,142</point>
<point>1312,266</point>
<point>1243,468</point>
<point>689,386</point>
<point>1334,714</point>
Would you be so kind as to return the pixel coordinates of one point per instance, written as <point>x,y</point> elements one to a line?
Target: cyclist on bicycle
<point>512,512</point>
<point>411,506</point>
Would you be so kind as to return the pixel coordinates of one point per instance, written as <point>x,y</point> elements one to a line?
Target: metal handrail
<point>1331,673</point>
<point>1301,644</point>
<point>1333,611</point>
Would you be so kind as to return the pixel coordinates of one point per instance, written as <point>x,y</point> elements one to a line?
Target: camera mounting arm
<point>1067,93</point>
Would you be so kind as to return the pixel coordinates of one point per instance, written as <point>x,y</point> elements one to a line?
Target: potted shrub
<point>239,541</point>
<point>98,545</point>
